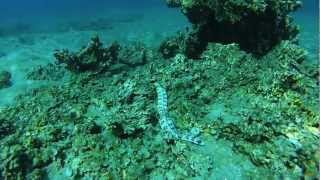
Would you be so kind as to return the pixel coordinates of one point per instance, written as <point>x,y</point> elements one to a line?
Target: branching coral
<point>94,57</point>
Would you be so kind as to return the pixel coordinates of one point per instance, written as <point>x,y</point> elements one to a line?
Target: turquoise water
<point>308,19</point>
<point>58,121</point>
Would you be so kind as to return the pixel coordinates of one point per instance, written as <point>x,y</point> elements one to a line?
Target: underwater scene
<point>159,90</point>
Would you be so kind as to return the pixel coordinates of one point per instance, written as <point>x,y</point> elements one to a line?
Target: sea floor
<point>20,53</point>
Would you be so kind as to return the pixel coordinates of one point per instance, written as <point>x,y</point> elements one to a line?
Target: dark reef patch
<point>256,26</point>
<point>5,79</point>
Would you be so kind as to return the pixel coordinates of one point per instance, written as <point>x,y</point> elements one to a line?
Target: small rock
<point>2,54</point>
<point>5,79</point>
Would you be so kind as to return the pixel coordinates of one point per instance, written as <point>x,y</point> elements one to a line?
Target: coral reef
<point>5,79</point>
<point>91,126</point>
<point>125,118</point>
<point>257,26</point>
<point>172,46</point>
<point>237,77</point>
<point>104,122</point>
<point>94,57</point>
<point>133,54</point>
<point>279,123</point>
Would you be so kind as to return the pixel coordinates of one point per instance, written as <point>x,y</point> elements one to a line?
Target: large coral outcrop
<point>257,25</point>
<point>94,57</point>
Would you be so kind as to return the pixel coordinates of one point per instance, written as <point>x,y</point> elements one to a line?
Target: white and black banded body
<point>166,122</point>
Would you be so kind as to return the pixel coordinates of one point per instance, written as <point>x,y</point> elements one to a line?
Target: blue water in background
<point>43,9</point>
<point>308,19</point>
<point>19,11</point>
<point>43,15</point>
<point>16,9</point>
<point>47,16</point>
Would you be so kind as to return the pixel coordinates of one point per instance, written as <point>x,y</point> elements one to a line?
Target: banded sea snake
<point>167,123</point>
